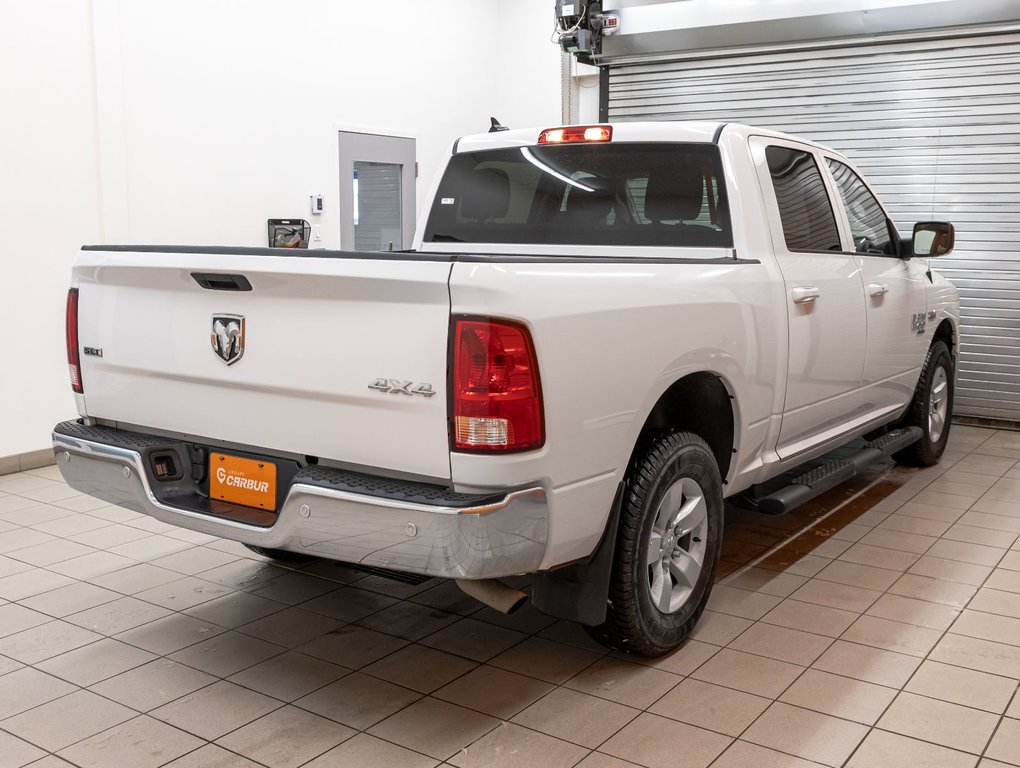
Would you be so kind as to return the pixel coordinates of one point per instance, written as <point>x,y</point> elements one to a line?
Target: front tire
<point>931,409</point>
<point>668,545</point>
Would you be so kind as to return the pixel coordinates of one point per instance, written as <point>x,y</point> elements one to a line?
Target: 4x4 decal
<point>395,386</point>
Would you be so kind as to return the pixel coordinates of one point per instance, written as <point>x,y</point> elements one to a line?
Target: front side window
<point>584,194</point>
<point>804,207</point>
<point>868,223</point>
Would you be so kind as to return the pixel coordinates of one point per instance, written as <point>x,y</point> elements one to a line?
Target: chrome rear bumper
<point>505,535</point>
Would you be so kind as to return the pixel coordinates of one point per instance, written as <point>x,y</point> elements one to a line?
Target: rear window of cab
<point>659,194</point>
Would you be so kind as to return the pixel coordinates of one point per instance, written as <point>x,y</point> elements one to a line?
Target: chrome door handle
<point>805,295</point>
<point>877,289</point>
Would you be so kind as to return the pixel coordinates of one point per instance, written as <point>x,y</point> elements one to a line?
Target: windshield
<point>585,194</point>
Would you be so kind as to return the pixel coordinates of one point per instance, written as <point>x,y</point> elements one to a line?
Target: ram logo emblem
<point>400,387</point>
<point>228,337</point>
<point>917,322</point>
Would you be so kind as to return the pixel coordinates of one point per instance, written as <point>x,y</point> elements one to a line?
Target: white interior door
<point>377,185</point>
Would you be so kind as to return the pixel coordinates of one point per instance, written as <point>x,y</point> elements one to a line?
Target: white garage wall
<point>49,205</point>
<point>230,108</point>
<point>193,122</point>
<point>527,64</point>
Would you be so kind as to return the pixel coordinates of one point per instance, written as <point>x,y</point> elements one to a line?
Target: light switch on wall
<point>316,233</point>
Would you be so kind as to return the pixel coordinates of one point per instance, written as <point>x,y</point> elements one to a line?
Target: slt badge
<point>228,337</point>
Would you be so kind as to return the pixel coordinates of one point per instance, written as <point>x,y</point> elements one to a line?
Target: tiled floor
<point>878,626</point>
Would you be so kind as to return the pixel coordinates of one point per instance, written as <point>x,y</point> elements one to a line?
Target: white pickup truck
<point>600,333</point>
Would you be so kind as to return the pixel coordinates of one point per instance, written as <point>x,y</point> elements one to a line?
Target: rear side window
<point>804,207</point>
<point>584,194</point>
<point>868,223</point>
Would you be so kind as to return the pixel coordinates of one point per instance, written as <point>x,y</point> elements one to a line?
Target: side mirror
<point>933,238</point>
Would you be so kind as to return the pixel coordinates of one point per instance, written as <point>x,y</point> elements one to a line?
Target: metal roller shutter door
<point>934,125</point>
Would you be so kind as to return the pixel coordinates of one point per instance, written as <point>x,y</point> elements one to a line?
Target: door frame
<point>383,154</point>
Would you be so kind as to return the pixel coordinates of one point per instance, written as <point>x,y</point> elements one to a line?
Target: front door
<point>377,180</point>
<point>895,296</point>
<point>824,300</point>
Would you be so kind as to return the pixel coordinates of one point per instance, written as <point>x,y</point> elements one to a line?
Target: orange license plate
<point>242,481</point>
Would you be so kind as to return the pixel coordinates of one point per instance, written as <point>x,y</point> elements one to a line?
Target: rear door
<point>327,357</point>
<point>824,302</point>
<point>895,295</point>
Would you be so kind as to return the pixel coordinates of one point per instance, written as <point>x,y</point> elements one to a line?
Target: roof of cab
<point>651,131</point>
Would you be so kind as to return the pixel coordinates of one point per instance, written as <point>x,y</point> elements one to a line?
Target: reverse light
<point>71,326</point>
<point>573,134</point>
<point>497,399</point>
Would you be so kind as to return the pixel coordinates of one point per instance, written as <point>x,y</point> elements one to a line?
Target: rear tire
<point>280,555</point>
<point>667,548</point>
<point>931,409</point>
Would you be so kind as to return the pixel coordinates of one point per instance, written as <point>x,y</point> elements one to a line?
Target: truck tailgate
<point>317,332</point>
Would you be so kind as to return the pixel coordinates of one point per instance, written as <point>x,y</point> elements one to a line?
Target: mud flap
<point>579,592</point>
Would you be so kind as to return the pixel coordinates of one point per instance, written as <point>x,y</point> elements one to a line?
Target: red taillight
<point>576,133</point>
<point>497,400</point>
<point>71,325</point>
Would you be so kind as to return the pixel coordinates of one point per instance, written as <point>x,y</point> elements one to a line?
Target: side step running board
<point>835,471</point>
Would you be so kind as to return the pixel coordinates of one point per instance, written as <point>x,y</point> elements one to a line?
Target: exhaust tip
<point>495,594</point>
<point>521,602</point>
